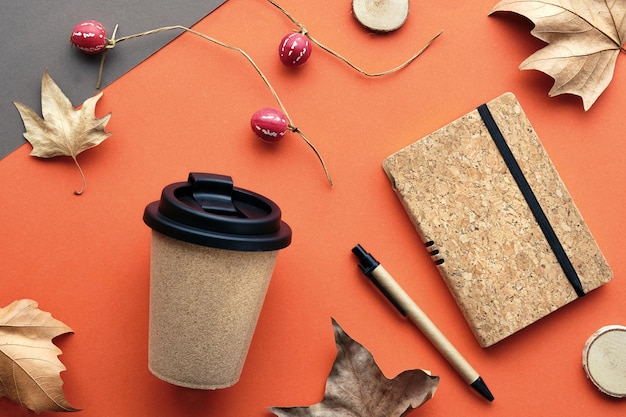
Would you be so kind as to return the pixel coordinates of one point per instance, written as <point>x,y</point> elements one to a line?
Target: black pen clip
<point>367,264</point>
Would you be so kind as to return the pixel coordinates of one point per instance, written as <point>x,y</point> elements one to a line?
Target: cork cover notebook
<point>497,220</point>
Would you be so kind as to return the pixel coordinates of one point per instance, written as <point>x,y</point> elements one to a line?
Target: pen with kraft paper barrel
<point>407,307</point>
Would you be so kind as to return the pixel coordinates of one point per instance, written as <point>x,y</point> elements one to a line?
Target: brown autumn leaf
<point>356,387</point>
<point>584,39</point>
<point>63,131</point>
<point>29,366</point>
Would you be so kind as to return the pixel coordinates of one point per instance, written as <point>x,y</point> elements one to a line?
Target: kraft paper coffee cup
<point>213,251</point>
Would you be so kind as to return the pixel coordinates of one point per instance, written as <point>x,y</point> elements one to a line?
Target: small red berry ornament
<point>89,36</point>
<point>269,124</point>
<point>294,49</point>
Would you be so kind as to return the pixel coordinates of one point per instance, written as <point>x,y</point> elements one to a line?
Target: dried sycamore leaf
<point>584,38</point>
<point>63,131</point>
<point>357,388</point>
<point>29,366</point>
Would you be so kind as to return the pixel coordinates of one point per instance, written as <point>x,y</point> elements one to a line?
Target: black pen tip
<point>480,386</point>
<point>359,252</point>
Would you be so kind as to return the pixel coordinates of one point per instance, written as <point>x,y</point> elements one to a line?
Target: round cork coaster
<point>604,360</point>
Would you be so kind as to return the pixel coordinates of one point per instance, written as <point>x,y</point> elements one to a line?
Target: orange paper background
<point>187,108</point>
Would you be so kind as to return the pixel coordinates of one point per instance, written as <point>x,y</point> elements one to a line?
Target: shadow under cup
<point>213,251</point>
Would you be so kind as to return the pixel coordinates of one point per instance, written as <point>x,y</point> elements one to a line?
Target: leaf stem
<point>82,175</point>
<point>306,33</point>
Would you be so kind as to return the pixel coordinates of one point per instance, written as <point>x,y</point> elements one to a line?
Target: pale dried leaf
<point>356,387</point>
<point>63,130</point>
<point>29,364</point>
<point>584,38</point>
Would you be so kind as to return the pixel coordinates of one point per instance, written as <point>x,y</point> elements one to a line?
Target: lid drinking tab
<point>214,193</point>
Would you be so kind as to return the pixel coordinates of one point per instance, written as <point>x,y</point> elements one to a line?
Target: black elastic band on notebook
<point>534,205</point>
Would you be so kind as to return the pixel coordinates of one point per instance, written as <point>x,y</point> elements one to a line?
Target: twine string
<point>374,74</point>
<point>306,33</point>
<point>294,129</point>
<point>114,41</point>
<point>111,43</point>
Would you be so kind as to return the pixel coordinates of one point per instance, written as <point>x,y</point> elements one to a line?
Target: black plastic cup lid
<point>208,210</point>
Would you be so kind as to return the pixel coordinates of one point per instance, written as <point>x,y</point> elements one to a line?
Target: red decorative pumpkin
<point>294,49</point>
<point>269,124</point>
<point>89,36</point>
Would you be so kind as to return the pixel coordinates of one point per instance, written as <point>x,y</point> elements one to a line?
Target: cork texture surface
<point>204,307</point>
<point>488,247</point>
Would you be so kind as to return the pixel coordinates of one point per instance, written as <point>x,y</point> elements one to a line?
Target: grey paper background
<point>34,35</point>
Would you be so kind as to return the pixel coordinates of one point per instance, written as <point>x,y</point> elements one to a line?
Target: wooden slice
<point>381,15</point>
<point>604,360</point>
